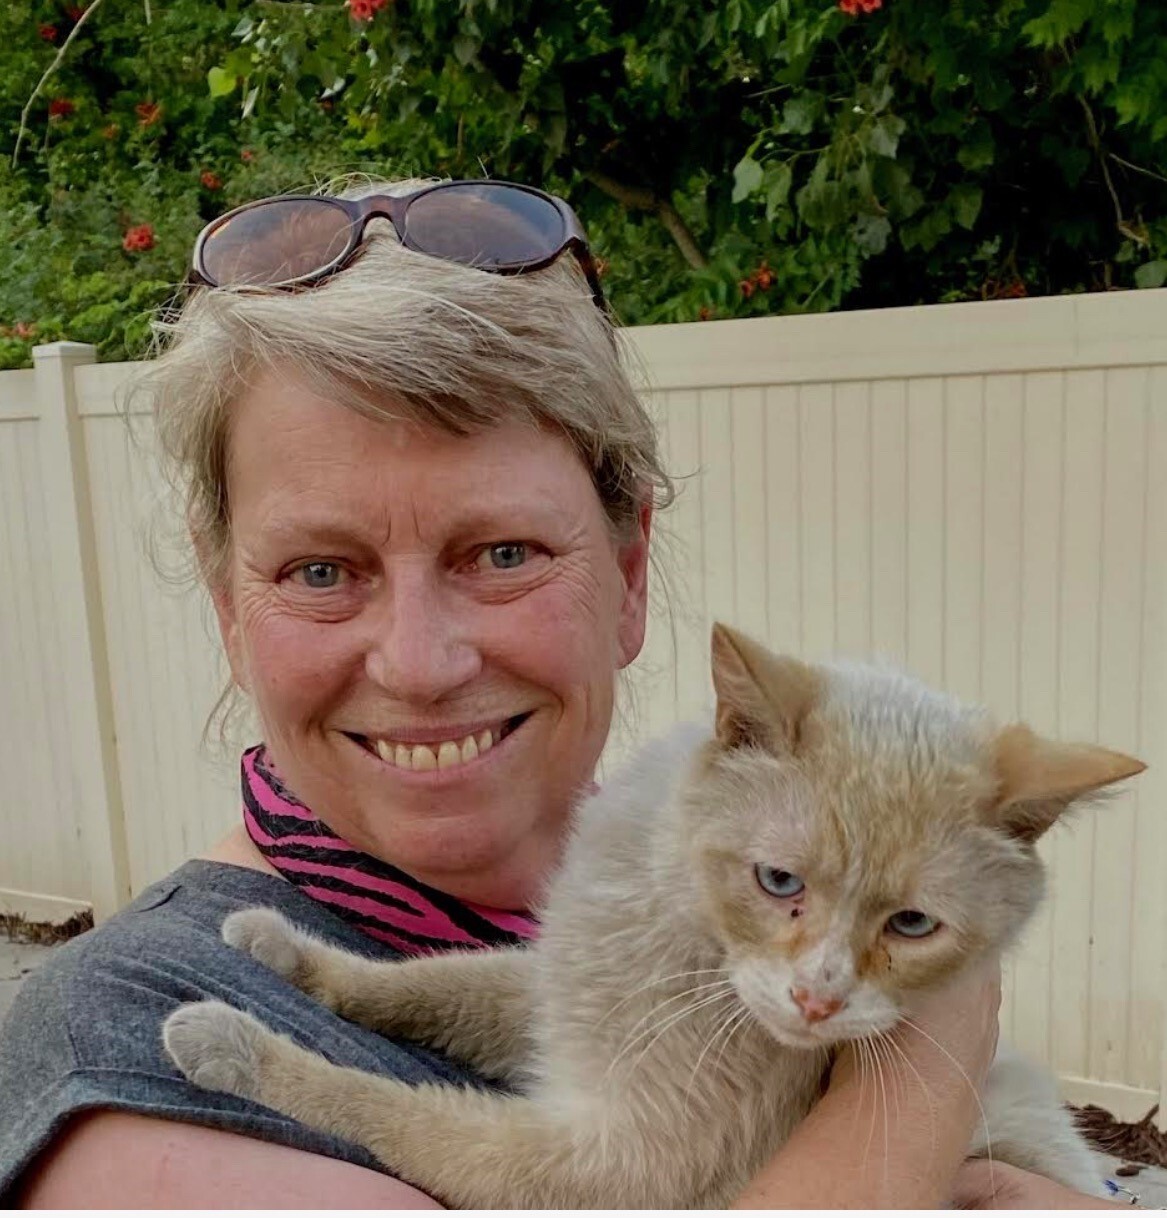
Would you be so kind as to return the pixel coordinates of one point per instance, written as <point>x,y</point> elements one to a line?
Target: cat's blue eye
<point>778,883</point>
<point>320,574</point>
<point>912,924</point>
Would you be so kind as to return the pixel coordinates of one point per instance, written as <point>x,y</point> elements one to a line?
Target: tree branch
<point>640,198</point>
<point>1095,141</point>
<point>40,84</point>
<point>1150,173</point>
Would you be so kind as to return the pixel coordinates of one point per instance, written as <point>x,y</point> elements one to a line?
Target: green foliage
<point>729,157</point>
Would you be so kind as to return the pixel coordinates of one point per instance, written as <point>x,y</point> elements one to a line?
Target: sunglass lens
<point>484,224</point>
<point>278,242</point>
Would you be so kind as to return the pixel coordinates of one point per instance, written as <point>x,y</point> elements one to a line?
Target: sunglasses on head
<point>295,241</point>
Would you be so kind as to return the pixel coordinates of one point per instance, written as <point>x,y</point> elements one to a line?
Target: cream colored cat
<point>727,910</point>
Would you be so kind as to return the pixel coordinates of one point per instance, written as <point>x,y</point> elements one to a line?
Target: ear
<point>632,556</point>
<point>1039,779</point>
<point>762,698</point>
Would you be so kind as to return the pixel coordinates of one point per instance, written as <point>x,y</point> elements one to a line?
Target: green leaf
<point>799,114</point>
<point>977,150</point>
<point>747,177</point>
<point>1152,274</point>
<point>221,82</point>
<point>965,201</point>
<point>1062,19</point>
<point>871,233</point>
<point>465,48</point>
<point>779,179</point>
<point>883,137</point>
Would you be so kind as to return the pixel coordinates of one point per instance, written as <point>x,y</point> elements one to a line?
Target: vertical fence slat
<point>1081,511</point>
<point>889,520</point>
<point>784,529</point>
<point>1038,677</point>
<point>1118,697</point>
<point>964,534</point>
<point>852,539</point>
<point>816,425</point>
<point>926,541</point>
<point>750,512</point>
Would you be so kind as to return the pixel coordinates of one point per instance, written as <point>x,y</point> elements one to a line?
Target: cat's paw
<point>269,937</point>
<point>216,1046</point>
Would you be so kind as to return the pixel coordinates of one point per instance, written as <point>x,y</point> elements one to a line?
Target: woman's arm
<point>115,1160</point>
<point>898,1142</point>
<point>981,1185</point>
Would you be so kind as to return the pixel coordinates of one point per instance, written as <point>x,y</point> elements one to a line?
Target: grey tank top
<point>85,1029</point>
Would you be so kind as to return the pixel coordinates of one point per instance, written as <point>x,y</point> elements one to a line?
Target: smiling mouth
<point>438,754</point>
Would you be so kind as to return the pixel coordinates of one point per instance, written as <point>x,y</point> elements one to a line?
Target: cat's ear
<point>1039,779</point>
<point>762,698</point>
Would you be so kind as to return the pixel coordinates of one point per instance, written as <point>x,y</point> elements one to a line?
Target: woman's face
<point>395,593</point>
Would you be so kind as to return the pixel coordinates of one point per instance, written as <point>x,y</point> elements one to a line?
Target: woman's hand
<point>981,1185</point>
<point>859,1147</point>
<point>949,1036</point>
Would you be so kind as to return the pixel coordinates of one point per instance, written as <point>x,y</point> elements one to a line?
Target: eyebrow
<point>498,521</point>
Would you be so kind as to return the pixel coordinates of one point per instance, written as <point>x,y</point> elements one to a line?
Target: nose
<point>420,648</point>
<point>814,1007</point>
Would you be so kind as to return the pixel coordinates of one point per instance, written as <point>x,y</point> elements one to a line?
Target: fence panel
<point>976,492</point>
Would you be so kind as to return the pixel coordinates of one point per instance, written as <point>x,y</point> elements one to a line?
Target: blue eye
<point>320,574</point>
<point>778,883</point>
<point>912,924</point>
<point>507,555</point>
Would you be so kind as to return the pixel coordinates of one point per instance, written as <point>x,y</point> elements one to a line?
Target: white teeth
<point>434,756</point>
<point>423,758</point>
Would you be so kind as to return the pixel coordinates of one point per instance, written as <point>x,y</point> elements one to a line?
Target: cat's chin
<point>820,1036</point>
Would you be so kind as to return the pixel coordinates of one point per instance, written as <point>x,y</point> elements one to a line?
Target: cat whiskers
<point>725,991</point>
<point>693,972</point>
<point>732,1022</point>
<point>976,1095</point>
<point>901,1059</point>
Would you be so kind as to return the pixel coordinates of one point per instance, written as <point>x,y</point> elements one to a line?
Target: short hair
<point>401,334</point>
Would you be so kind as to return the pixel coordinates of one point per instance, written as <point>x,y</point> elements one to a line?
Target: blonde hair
<point>398,334</point>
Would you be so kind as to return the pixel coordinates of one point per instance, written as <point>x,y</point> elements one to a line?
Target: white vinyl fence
<point>978,492</point>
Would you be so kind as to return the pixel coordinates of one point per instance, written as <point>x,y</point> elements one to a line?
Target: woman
<point>420,496</point>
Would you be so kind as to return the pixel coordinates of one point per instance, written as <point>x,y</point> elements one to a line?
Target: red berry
<point>148,113</point>
<point>47,32</point>
<point>61,107</point>
<point>211,180</point>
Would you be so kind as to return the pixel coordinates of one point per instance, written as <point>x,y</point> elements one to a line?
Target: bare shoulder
<point>106,1160</point>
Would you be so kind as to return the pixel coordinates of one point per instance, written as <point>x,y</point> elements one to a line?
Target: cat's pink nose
<point>814,1008</point>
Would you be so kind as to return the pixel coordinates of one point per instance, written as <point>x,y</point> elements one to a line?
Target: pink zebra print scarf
<point>383,901</point>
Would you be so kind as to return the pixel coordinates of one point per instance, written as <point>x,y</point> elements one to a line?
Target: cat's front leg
<point>474,1006</point>
<point>469,1148</point>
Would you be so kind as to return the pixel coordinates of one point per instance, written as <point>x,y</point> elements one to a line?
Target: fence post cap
<point>76,352</point>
